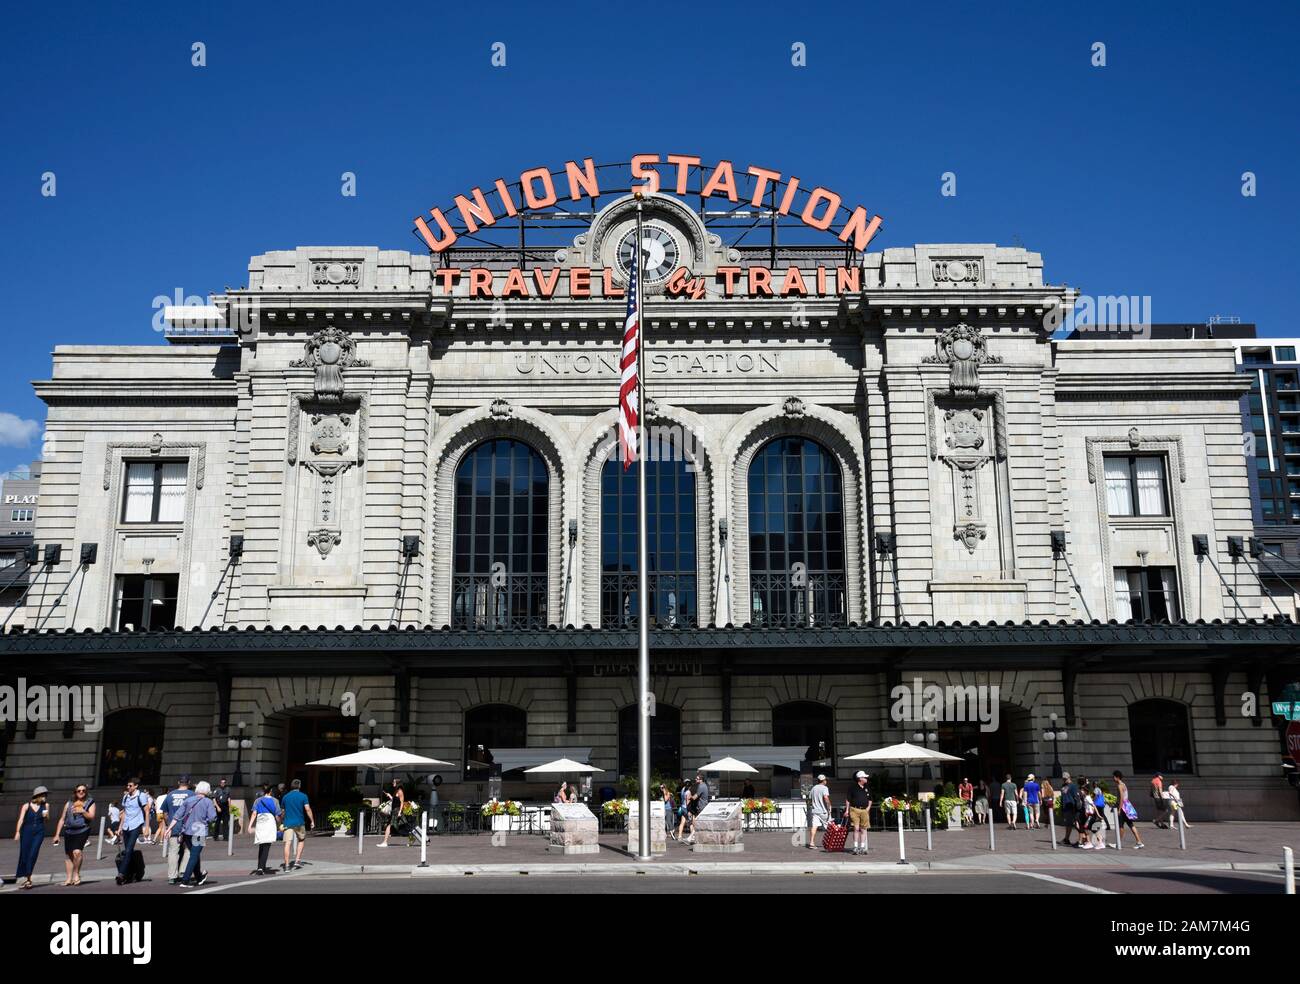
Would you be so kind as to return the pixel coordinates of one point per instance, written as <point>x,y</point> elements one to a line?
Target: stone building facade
<point>290,524</point>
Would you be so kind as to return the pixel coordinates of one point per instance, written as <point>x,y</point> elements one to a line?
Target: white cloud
<point>15,432</point>
<point>18,473</point>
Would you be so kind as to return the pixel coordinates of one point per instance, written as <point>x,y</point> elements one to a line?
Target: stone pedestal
<point>658,835</point>
<point>574,829</point>
<point>719,829</point>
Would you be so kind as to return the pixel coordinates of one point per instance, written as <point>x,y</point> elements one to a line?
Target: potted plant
<point>499,812</point>
<point>341,821</point>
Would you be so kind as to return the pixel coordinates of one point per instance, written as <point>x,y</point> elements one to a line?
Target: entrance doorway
<point>987,755</point>
<point>313,735</point>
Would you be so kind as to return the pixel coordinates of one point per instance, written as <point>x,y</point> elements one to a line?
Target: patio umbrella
<point>564,767</point>
<point>903,754</point>
<point>728,764</point>
<point>381,759</point>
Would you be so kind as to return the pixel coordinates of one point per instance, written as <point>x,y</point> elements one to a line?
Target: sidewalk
<point>1238,846</point>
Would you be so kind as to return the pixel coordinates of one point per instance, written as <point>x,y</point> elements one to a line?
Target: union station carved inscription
<point>659,363</point>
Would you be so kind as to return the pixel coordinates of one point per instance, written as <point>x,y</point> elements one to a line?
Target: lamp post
<point>238,746</point>
<point>371,741</point>
<point>1055,736</point>
<point>925,740</point>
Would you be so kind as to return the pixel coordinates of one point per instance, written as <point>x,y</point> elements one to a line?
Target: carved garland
<point>158,448</point>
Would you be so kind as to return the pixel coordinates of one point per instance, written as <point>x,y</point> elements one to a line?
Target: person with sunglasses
<point>74,829</point>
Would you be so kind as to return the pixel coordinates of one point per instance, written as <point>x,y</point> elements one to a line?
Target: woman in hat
<point>30,832</point>
<point>74,827</point>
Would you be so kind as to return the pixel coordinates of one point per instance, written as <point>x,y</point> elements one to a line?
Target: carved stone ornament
<point>1134,438</point>
<point>793,407</point>
<point>330,352</point>
<point>965,428</point>
<point>329,433</point>
<point>970,534</point>
<point>501,410</point>
<point>963,349</point>
<point>324,540</point>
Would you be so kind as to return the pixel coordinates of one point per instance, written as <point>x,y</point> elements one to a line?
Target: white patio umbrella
<point>564,767</point>
<point>728,764</point>
<point>903,754</point>
<point>381,759</point>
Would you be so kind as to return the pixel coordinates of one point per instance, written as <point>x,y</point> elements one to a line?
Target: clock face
<point>660,254</point>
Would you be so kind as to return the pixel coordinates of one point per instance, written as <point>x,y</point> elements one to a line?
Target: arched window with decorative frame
<point>796,535</point>
<point>1160,736</point>
<point>500,538</point>
<point>808,724</point>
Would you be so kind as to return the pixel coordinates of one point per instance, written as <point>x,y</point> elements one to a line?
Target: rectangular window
<point>8,560</point>
<point>1285,353</point>
<point>1135,486</point>
<point>146,602</point>
<point>155,492</point>
<point>21,515</point>
<point>1146,594</point>
<point>1272,550</point>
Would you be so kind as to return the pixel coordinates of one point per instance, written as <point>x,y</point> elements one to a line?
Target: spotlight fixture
<point>1236,547</point>
<point>236,546</point>
<point>89,553</point>
<point>410,546</point>
<point>53,554</point>
<point>1200,545</point>
<point>1058,543</point>
<point>885,544</point>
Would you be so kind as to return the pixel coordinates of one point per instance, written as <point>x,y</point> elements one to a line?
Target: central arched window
<point>670,543</point>
<point>499,569</point>
<point>809,725</point>
<point>133,741</point>
<point>1161,736</point>
<point>796,535</point>
<point>490,727</point>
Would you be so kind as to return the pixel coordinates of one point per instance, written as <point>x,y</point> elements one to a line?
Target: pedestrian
<point>114,821</point>
<point>265,824</point>
<point>1092,824</point>
<point>1070,803</point>
<point>1009,800</point>
<point>137,815</point>
<point>1125,813</point>
<point>1160,801</point>
<point>159,817</point>
<point>699,800</point>
<point>395,801</point>
<point>221,800</point>
<point>169,807</point>
<point>1048,795</point>
<point>298,819</point>
<point>1175,796</point>
<point>683,808</point>
<point>819,810</point>
<point>74,827</point>
<point>1029,793</point>
<point>670,811</point>
<point>859,809</point>
<point>748,791</point>
<point>982,802</point>
<point>30,832</point>
<point>561,794</point>
<point>966,791</point>
<point>191,822</point>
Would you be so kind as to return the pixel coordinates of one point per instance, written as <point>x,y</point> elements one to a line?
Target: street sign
<point>1288,710</point>
<point>1293,741</point>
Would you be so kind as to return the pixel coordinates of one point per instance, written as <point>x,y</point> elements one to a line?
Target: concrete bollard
<point>992,840</point>
<point>361,830</point>
<point>99,846</point>
<point>424,839</point>
<point>929,844</point>
<point>1182,832</point>
<point>1051,824</point>
<point>902,850</point>
<point>1288,865</point>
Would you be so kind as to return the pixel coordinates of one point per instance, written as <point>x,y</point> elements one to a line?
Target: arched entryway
<point>316,733</point>
<point>809,725</point>
<point>132,747</point>
<point>989,755</point>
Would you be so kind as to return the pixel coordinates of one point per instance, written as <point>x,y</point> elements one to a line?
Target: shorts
<point>74,842</point>
<point>291,833</point>
<point>860,817</point>
<point>1122,819</point>
<point>816,820</point>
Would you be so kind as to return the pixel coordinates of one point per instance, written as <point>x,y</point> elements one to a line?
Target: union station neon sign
<point>729,191</point>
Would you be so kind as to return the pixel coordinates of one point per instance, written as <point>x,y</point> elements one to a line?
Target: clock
<point>660,252</point>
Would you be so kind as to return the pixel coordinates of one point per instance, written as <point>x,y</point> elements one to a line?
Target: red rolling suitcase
<point>834,837</point>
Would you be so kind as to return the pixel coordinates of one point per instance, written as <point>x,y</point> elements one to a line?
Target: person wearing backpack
<point>1071,807</point>
<point>137,808</point>
<point>74,828</point>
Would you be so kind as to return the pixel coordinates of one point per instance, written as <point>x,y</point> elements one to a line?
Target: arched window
<point>488,727</point>
<point>133,742</point>
<point>796,535</point>
<point>499,569</point>
<point>1161,737</point>
<point>670,542</point>
<point>665,741</point>
<point>809,725</point>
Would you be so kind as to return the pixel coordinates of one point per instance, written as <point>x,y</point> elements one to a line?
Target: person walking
<point>396,801</point>
<point>819,810</point>
<point>191,822</point>
<point>221,800</point>
<point>982,803</point>
<point>178,843</point>
<point>1009,800</point>
<point>966,791</point>
<point>74,828</point>
<point>683,809</point>
<point>298,819</point>
<point>137,813</point>
<point>1070,803</point>
<point>699,800</point>
<point>1047,797</point>
<point>114,821</point>
<point>30,833</point>
<point>1125,813</point>
<point>1029,795</point>
<point>859,810</point>
<point>1160,801</point>
<point>1175,796</point>
<point>265,824</point>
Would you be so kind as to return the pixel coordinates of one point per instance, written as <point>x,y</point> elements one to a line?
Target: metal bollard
<point>902,850</point>
<point>361,830</point>
<point>1182,832</point>
<point>991,824</point>
<point>929,844</point>
<point>231,832</point>
<point>424,839</point>
<point>1119,841</point>
<point>1051,824</point>
<point>99,847</point>
<point>1288,865</point>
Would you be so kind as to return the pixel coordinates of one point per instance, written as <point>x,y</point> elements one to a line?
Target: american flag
<point>628,399</point>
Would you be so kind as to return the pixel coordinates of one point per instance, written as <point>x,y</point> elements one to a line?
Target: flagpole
<point>643,578</point>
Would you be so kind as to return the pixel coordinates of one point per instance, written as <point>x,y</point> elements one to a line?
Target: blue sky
<point>1127,178</point>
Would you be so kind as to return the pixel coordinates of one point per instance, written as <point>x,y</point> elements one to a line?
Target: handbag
<point>386,807</point>
<point>1130,810</point>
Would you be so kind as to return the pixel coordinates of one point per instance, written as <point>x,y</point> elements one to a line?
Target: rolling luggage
<point>834,837</point>
<point>135,869</point>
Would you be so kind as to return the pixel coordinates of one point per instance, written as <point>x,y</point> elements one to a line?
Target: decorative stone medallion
<point>330,352</point>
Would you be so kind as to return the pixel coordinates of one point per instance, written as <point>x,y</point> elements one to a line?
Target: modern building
<point>391,494</point>
<point>19,494</point>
